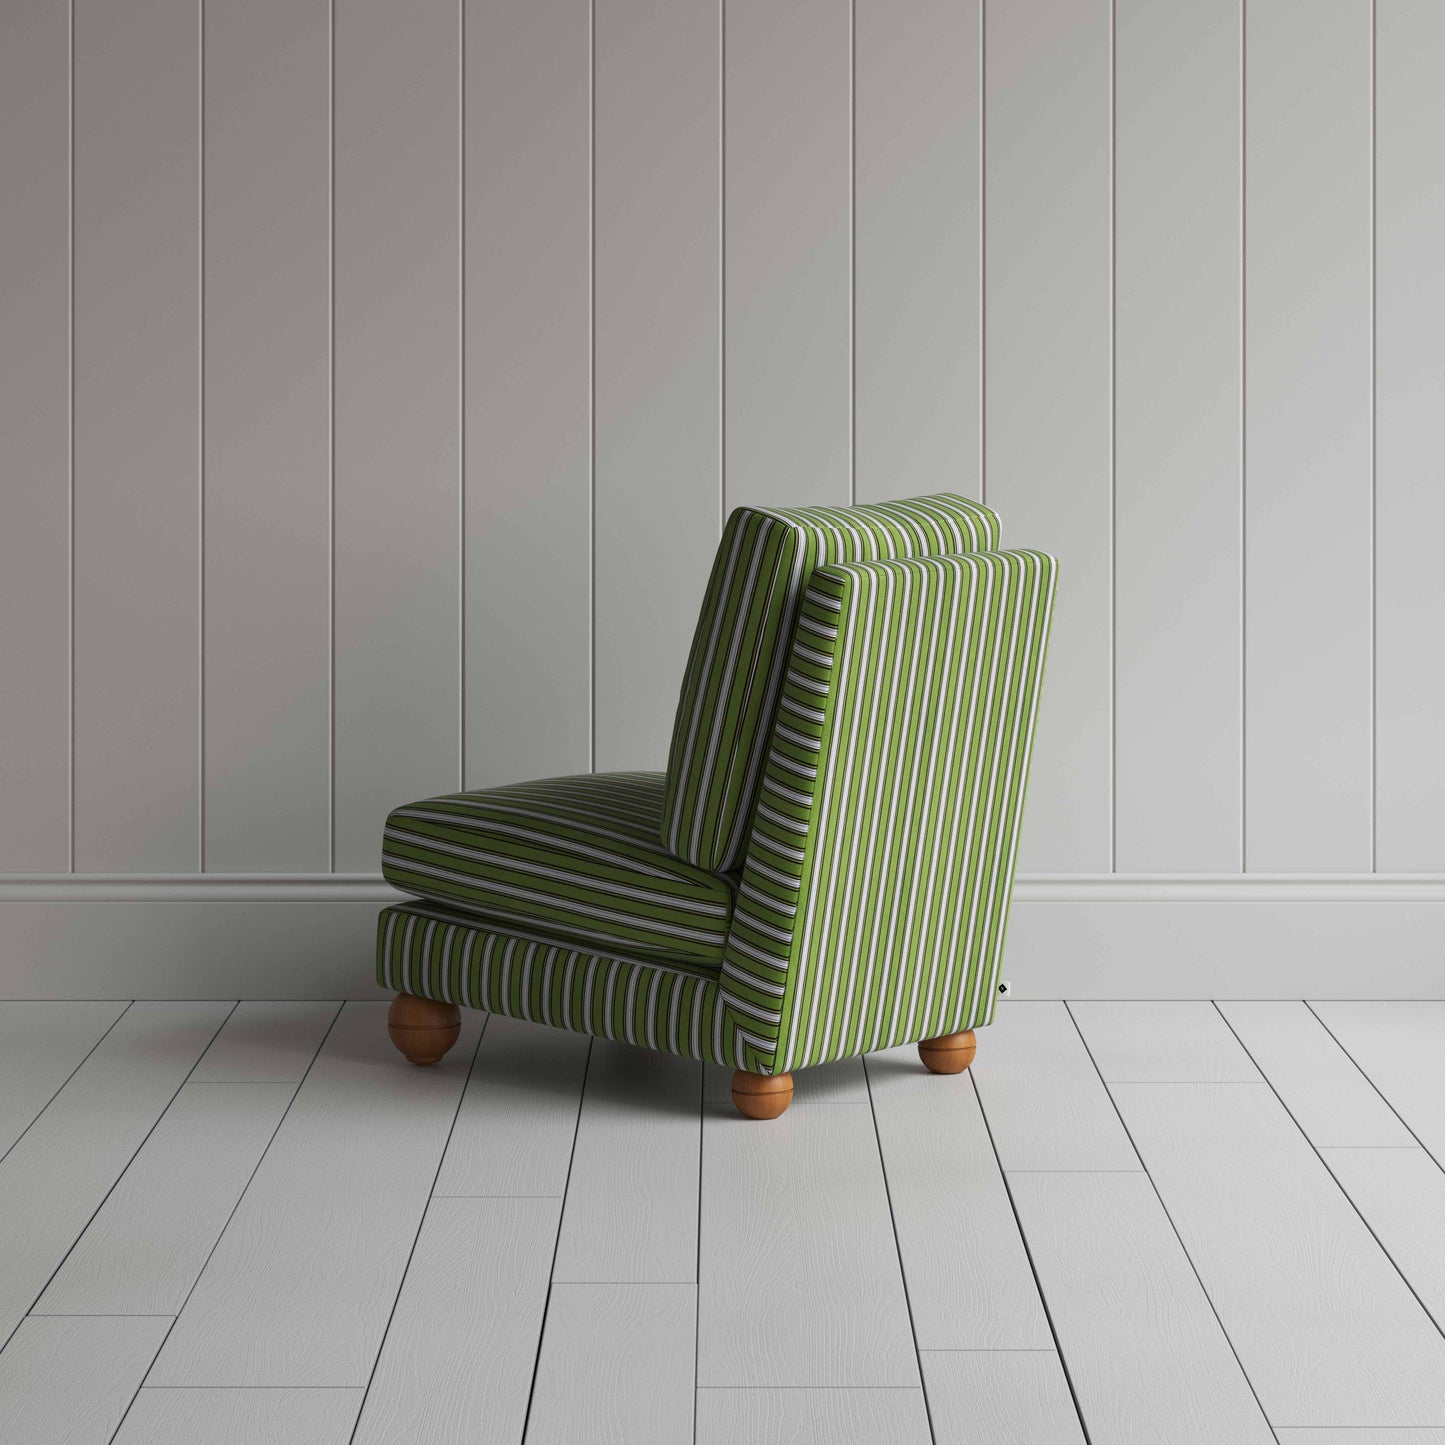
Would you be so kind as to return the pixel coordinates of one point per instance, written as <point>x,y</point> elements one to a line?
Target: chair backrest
<point>740,649</point>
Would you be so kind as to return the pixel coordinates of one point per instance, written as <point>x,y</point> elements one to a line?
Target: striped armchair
<point>825,867</point>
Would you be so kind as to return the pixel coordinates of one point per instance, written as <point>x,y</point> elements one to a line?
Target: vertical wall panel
<point>528,385</point>
<point>137,435</point>
<point>1047,384</point>
<point>1410,433</point>
<point>1307,435</point>
<point>918,133</point>
<point>397,314</point>
<point>1178,557</point>
<point>267,435</point>
<point>35,436</point>
<point>658,441</point>
<point>787,244</point>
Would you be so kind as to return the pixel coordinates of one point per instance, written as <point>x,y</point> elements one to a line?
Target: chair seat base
<point>424,1029</point>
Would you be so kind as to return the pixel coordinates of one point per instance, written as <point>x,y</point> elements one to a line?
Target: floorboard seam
<point>239,1197</point>
<point>697,1267</point>
<point>1269,1424</point>
<point>556,1244</point>
<point>1334,1179</point>
<point>1029,1255</point>
<point>898,1247</point>
<point>70,1075</point>
<point>120,1174</point>
<point>1404,1123</point>
<point>420,1225</point>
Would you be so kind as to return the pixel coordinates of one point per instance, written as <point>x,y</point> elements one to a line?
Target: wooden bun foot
<point>949,1053</point>
<point>422,1028</point>
<point>762,1096</point>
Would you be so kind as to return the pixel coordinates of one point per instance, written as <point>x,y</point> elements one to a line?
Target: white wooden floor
<point>1162,1223</point>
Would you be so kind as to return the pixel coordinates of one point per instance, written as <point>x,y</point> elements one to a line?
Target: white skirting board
<point>1077,936</point>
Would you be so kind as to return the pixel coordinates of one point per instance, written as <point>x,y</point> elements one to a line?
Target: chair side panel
<point>874,898</point>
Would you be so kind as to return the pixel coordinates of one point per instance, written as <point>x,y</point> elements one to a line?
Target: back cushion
<point>740,648</point>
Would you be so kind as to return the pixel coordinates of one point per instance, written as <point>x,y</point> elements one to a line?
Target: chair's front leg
<point>422,1028</point>
<point>761,1096</point>
<point>948,1053</point>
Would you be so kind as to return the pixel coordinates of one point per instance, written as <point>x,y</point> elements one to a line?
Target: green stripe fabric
<point>437,953</point>
<point>735,669</point>
<point>576,857</point>
<point>874,899</point>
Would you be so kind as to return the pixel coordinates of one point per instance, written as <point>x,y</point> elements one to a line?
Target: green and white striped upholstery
<point>734,671</point>
<point>439,953</point>
<point>886,707</point>
<point>575,857</point>
<point>873,902</point>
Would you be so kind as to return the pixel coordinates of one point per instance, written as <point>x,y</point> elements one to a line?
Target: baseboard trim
<point>1028,888</point>
<point>1070,936</point>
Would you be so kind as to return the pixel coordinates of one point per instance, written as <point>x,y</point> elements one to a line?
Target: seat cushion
<point>740,649</point>
<point>576,858</point>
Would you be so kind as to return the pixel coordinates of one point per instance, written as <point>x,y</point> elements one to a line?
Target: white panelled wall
<point>374,380</point>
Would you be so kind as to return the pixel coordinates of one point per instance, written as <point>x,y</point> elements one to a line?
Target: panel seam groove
<point>852,253</point>
<point>70,455</point>
<point>592,387</point>
<point>1243,451</point>
<point>1374,460</point>
<point>201,437</point>
<point>331,436</point>
<point>462,394</point>
<point>1113,440</point>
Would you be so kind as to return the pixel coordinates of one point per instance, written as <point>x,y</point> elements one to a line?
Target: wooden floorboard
<point>240,1417</point>
<point>1145,1353</point>
<point>457,1362</point>
<point>69,1381</point>
<point>1401,1195</point>
<point>1327,1330</point>
<point>800,1283</point>
<point>148,1242</point>
<point>41,1045</point>
<point>267,1043</point>
<point>631,1211</point>
<point>1041,1094</point>
<point>302,1282</point>
<point>969,1282</point>
<point>616,1366</point>
<point>813,1417</point>
<point>1320,1085</point>
<point>1361,1437</point>
<point>1401,1048</point>
<point>1162,1042</point>
<point>1004,1397</point>
<point>60,1171</point>
<point>578,1241</point>
<point>518,1118</point>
